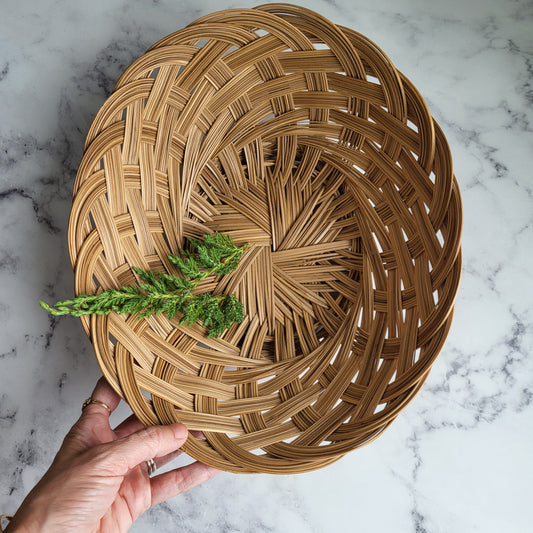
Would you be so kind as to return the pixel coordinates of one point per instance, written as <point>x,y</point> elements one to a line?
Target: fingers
<point>163,460</point>
<point>133,424</point>
<point>124,454</point>
<point>92,428</point>
<point>103,392</point>
<point>170,484</point>
<point>128,426</point>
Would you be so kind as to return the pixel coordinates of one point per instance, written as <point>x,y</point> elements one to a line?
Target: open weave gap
<point>299,137</point>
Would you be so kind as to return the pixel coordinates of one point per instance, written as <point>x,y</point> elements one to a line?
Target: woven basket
<point>299,137</point>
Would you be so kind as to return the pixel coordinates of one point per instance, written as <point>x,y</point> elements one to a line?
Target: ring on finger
<point>89,401</point>
<point>152,467</point>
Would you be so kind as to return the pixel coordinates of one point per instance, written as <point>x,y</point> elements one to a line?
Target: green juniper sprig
<point>166,293</point>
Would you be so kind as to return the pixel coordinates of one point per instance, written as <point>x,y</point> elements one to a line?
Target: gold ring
<point>89,401</point>
<point>152,467</point>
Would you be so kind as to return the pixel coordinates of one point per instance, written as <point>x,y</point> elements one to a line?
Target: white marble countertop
<point>458,458</point>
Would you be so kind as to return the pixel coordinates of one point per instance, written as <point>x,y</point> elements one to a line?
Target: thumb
<point>155,441</point>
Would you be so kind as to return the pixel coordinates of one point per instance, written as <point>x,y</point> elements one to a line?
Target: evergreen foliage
<point>160,292</point>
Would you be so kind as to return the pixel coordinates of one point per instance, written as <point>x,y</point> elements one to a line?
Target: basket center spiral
<point>299,137</point>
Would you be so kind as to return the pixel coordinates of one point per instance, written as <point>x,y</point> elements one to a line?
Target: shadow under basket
<point>299,137</point>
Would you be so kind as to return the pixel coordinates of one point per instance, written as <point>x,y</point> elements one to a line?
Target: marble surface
<point>458,458</point>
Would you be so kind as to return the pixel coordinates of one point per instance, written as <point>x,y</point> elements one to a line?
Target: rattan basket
<point>299,137</point>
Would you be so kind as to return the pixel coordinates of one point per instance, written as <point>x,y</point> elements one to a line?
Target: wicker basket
<point>299,137</point>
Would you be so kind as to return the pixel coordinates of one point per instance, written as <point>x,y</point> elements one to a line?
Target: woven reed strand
<point>299,137</point>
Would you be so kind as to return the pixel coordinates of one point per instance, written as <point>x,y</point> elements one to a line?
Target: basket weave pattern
<point>300,138</point>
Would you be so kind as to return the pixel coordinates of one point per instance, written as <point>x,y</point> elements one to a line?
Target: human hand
<point>99,480</point>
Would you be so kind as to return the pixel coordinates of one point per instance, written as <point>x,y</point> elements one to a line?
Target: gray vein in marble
<point>49,334</point>
<point>23,455</point>
<point>16,480</point>
<point>9,353</point>
<point>9,262</point>
<point>4,72</point>
<point>9,194</point>
<point>485,408</point>
<point>418,521</point>
<point>111,61</point>
<point>61,381</point>
<point>8,412</point>
<point>525,400</point>
<point>416,515</point>
<point>471,137</point>
<point>26,452</point>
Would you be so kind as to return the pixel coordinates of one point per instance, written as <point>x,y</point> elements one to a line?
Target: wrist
<point>21,524</point>
<point>29,518</point>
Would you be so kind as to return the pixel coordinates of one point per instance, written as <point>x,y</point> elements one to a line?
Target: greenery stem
<point>161,292</point>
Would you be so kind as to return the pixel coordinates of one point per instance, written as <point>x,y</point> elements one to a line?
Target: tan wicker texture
<point>299,137</point>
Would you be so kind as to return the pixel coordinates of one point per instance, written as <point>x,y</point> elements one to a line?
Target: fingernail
<point>180,431</point>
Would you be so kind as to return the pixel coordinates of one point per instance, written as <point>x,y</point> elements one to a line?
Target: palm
<point>131,500</point>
